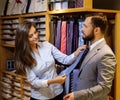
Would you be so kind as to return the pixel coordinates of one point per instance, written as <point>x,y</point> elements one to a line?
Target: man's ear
<point>96,29</point>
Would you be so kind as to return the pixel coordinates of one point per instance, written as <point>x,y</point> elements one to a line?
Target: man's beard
<point>89,37</point>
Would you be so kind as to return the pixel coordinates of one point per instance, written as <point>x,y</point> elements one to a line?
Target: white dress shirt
<point>10,8</point>
<point>2,6</point>
<point>94,44</point>
<point>20,8</point>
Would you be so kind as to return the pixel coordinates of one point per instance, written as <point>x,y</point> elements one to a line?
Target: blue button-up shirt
<point>45,70</point>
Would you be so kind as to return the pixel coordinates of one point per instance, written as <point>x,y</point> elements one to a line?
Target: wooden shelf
<point>62,11</point>
<point>24,15</point>
<point>6,52</point>
<point>15,85</point>
<point>8,45</point>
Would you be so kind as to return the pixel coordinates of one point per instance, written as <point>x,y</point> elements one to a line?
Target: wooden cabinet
<point>43,19</point>
<point>14,87</point>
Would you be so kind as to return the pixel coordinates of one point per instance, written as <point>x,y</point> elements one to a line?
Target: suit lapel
<point>92,53</point>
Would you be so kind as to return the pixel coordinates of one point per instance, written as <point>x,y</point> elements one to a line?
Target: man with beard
<point>98,68</point>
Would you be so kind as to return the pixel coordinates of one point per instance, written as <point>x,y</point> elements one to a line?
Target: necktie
<point>63,37</point>
<point>81,41</point>
<point>69,37</point>
<point>74,80</point>
<point>52,32</point>
<point>58,35</point>
<point>75,37</point>
<point>79,3</point>
<point>69,70</point>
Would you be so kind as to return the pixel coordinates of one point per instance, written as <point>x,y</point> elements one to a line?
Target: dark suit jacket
<point>97,73</point>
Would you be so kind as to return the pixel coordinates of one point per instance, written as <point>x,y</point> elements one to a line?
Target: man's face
<point>88,30</point>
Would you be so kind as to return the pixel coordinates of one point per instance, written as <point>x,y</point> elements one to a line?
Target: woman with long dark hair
<point>36,60</point>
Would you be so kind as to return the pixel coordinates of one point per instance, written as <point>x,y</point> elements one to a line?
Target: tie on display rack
<point>67,35</point>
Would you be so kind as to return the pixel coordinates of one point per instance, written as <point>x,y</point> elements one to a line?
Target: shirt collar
<point>94,44</point>
<point>39,44</point>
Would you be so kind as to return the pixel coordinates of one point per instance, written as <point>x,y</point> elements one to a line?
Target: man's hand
<point>69,96</point>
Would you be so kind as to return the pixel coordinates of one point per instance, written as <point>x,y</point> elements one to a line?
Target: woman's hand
<point>79,49</point>
<point>58,79</point>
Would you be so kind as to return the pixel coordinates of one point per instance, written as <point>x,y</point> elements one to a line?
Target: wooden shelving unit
<point>15,87</point>
<point>7,50</point>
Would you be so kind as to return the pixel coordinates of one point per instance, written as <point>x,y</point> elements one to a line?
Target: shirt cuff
<point>45,83</point>
<point>74,56</point>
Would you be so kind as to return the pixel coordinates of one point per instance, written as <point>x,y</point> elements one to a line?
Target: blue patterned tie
<point>70,69</point>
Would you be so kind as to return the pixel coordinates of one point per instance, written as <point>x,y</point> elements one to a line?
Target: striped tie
<point>63,37</point>
<point>79,3</point>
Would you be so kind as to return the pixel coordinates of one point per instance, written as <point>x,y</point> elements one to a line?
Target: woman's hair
<point>23,51</point>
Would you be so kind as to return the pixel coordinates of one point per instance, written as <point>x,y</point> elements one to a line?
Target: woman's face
<point>33,36</point>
